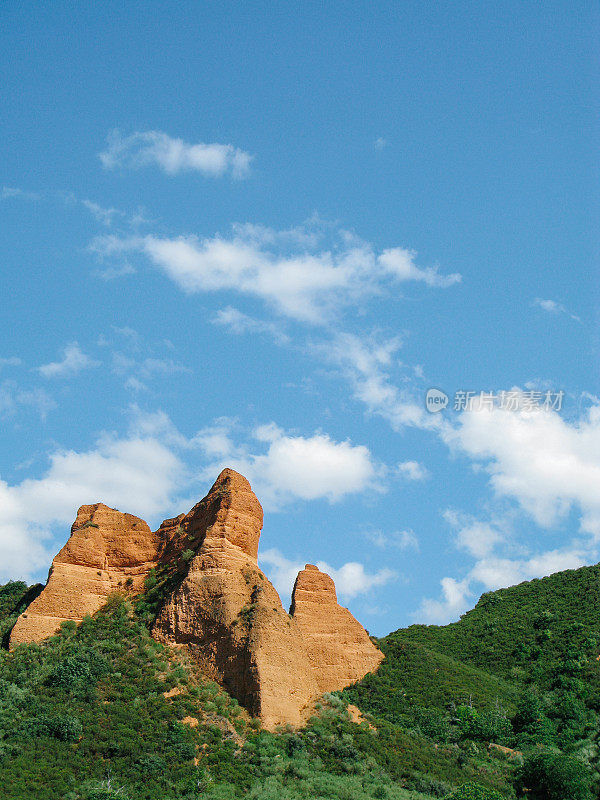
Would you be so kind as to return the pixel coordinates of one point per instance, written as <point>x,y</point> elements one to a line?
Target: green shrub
<point>555,776</point>
<point>66,728</point>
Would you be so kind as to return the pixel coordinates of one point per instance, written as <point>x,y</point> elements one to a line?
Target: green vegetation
<point>103,711</point>
<point>521,669</point>
<point>473,791</point>
<point>15,596</point>
<point>554,776</point>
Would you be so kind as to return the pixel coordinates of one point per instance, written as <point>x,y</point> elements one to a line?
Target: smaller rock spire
<point>338,646</point>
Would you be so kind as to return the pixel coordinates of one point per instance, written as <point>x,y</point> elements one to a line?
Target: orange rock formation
<point>221,607</point>
<point>107,550</point>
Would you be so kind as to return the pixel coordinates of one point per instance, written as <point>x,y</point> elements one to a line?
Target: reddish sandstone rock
<point>338,647</point>
<point>107,550</point>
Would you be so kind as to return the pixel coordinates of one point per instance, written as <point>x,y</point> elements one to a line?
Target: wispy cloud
<point>10,192</point>
<point>74,360</point>
<point>11,361</point>
<point>366,362</point>
<point>115,271</point>
<point>237,322</point>
<point>172,155</point>
<point>308,282</point>
<point>552,307</point>
<point>14,397</point>
<point>400,540</point>
<point>102,214</point>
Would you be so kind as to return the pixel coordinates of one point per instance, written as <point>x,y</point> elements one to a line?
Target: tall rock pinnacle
<point>230,616</point>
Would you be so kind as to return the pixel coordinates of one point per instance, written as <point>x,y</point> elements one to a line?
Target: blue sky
<point>256,234</point>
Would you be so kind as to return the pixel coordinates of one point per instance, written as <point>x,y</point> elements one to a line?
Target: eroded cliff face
<point>107,551</point>
<point>221,606</point>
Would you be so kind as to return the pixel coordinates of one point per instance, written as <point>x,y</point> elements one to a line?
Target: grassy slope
<point>535,627</point>
<point>413,674</point>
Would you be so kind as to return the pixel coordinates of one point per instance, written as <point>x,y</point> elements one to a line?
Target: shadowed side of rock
<point>107,550</point>
<point>338,646</point>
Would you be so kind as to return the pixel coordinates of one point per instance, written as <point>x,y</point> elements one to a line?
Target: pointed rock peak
<point>230,480</point>
<point>229,511</point>
<point>313,586</point>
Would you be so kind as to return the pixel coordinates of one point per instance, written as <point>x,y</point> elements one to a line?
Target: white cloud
<point>239,323</point>
<point>294,467</point>
<point>310,468</point>
<point>537,458</point>
<point>456,599</point>
<point>552,307</point>
<point>477,537</point>
<point>215,440</point>
<point>413,470</point>
<point>380,143</point>
<point>401,264</point>
<point>299,280</point>
<point>74,360</point>
<point>351,579</point>
<point>136,474</point>
<point>154,148</point>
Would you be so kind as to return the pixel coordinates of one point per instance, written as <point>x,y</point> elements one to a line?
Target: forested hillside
<point>502,704</point>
